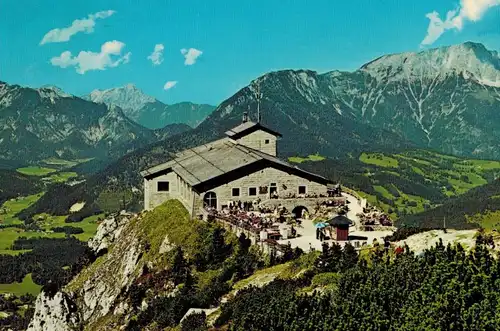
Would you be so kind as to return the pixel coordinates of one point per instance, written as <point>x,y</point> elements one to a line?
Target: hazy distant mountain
<point>47,122</point>
<point>148,111</point>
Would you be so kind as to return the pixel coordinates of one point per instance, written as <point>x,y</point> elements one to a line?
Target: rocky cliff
<point>92,294</point>
<point>127,246</point>
<point>154,269</point>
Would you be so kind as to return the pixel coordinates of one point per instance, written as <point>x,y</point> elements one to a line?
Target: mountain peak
<point>472,45</point>
<point>470,59</point>
<point>51,91</point>
<point>126,97</point>
<point>130,86</point>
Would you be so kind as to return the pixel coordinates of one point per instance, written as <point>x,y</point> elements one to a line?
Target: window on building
<point>163,186</point>
<point>252,191</point>
<point>210,200</point>
<point>273,190</point>
<point>236,192</point>
<point>266,141</point>
<point>302,189</point>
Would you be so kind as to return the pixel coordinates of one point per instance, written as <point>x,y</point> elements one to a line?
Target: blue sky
<point>239,40</point>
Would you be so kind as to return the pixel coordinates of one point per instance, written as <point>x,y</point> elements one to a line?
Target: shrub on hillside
<point>195,322</point>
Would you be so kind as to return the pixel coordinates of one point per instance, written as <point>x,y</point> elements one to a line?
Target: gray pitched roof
<point>196,165</point>
<point>208,162</point>
<point>248,127</point>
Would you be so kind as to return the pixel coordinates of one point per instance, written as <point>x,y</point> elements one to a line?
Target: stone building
<point>239,167</point>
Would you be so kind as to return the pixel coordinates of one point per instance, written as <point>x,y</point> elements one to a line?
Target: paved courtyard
<point>307,238</point>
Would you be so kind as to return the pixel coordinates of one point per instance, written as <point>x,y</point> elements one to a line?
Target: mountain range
<point>149,111</point>
<point>47,122</point>
<point>445,99</point>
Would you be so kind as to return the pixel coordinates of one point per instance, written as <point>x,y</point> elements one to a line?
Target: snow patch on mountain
<point>471,60</point>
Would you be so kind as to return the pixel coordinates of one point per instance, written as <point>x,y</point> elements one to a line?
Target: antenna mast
<point>258,96</point>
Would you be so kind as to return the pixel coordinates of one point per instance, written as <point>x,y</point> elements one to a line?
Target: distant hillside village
<point>239,181</point>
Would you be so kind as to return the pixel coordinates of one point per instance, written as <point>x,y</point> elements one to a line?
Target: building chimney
<point>245,117</point>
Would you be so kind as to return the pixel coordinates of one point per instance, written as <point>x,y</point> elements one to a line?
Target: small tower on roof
<point>254,134</point>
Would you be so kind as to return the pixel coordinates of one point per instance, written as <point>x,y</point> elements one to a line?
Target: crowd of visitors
<point>372,217</point>
<point>253,217</point>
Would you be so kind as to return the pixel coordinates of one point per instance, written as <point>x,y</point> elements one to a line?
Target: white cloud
<point>85,25</point>
<point>190,55</point>
<point>168,85</point>
<point>157,56</point>
<point>108,57</point>
<point>470,10</point>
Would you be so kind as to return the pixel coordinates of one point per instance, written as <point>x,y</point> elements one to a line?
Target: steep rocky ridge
<point>153,268</point>
<point>91,295</point>
<point>126,244</point>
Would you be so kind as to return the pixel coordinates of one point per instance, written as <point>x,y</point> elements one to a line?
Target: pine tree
<point>180,269</point>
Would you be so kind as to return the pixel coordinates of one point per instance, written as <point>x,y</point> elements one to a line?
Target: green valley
<point>53,170</point>
<point>408,182</point>
<point>9,209</point>
<point>27,286</point>
<point>24,240</point>
<point>479,207</point>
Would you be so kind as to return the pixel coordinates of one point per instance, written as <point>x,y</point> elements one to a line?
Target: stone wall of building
<point>178,189</point>
<point>285,183</point>
<point>261,141</point>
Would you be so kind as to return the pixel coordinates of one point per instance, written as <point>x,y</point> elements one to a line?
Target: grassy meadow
<point>310,158</point>
<point>449,175</point>
<point>36,171</point>
<point>11,207</point>
<point>26,286</point>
